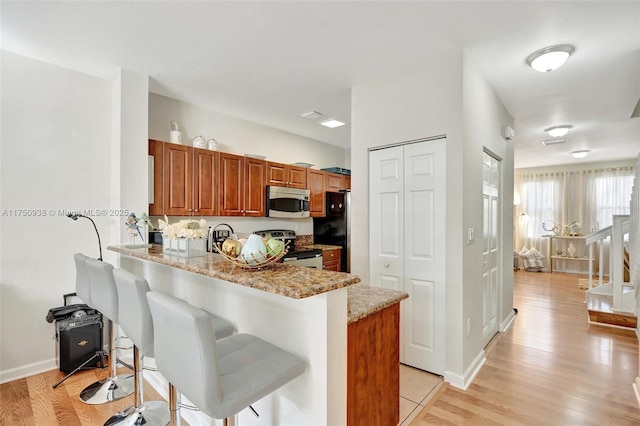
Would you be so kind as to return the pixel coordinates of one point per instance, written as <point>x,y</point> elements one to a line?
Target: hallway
<point>551,367</point>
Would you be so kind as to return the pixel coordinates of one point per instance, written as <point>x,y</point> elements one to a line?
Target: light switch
<point>470,236</point>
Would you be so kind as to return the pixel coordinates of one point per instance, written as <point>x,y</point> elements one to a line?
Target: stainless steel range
<point>298,256</point>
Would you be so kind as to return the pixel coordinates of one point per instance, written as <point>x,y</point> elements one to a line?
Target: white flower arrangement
<point>188,228</point>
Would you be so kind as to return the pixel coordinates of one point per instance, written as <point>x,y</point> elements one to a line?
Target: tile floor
<point>416,388</point>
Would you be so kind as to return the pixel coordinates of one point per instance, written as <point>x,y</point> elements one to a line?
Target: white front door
<point>407,233</point>
<point>490,250</point>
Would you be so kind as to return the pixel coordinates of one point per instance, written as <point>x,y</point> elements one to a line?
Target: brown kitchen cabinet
<point>315,185</point>
<point>242,186</point>
<point>331,260</point>
<point>206,167</point>
<point>373,369</point>
<point>334,182</point>
<point>288,175</point>
<point>156,207</point>
<point>185,180</point>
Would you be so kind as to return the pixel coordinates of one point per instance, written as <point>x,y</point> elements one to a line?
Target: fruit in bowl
<point>231,247</point>
<point>254,251</point>
<point>274,247</point>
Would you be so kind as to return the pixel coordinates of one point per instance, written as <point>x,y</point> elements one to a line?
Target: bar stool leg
<point>112,388</point>
<point>174,406</point>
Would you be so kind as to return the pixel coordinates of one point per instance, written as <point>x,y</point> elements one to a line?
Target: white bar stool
<point>220,377</point>
<point>135,320</point>
<point>105,299</point>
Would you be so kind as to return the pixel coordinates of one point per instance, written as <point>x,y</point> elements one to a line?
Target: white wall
<point>421,102</point>
<point>446,96</point>
<point>55,155</point>
<point>484,120</point>
<point>239,136</point>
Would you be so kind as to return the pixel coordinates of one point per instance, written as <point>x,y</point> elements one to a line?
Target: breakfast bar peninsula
<point>304,311</point>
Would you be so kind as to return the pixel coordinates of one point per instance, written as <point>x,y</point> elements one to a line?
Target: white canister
<point>199,142</point>
<point>212,144</point>
<point>175,136</point>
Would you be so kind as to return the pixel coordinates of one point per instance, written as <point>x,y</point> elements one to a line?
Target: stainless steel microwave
<point>287,202</point>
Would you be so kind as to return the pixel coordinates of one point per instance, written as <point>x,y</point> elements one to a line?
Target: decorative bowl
<point>262,260</point>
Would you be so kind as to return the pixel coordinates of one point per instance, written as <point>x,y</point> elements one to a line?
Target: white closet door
<point>490,249</point>
<point>407,214</point>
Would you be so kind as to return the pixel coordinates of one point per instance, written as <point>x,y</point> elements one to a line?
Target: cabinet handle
<point>386,264</point>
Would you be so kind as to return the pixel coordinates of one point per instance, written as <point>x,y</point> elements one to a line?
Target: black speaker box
<point>78,340</point>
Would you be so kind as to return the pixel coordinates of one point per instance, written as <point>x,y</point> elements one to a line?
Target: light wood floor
<point>550,368</point>
<point>32,401</point>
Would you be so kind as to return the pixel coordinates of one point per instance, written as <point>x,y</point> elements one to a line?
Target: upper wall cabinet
<point>156,207</point>
<point>185,180</point>
<point>315,185</point>
<point>242,186</point>
<point>279,174</point>
<point>334,182</point>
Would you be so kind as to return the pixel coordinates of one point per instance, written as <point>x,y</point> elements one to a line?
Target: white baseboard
<point>508,321</point>
<point>27,370</point>
<point>463,382</point>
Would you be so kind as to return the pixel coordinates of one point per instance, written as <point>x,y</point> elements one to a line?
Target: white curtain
<point>589,197</point>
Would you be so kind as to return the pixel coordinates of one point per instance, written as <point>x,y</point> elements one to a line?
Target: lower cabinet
<point>331,260</point>
<point>373,369</point>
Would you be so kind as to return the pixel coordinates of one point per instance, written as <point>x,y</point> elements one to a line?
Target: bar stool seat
<point>220,377</point>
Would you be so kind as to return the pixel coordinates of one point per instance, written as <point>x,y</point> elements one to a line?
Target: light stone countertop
<point>290,281</point>
<point>363,300</point>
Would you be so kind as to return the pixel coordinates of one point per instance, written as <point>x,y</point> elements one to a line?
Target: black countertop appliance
<point>335,228</point>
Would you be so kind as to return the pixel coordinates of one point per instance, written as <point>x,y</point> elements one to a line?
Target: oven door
<point>306,259</point>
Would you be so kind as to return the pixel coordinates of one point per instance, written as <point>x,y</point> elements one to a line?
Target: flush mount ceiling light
<point>558,131</point>
<point>580,154</point>
<point>311,115</point>
<point>553,142</point>
<point>332,123</point>
<point>550,58</point>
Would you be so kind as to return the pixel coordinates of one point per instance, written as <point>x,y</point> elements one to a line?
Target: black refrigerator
<point>335,228</point>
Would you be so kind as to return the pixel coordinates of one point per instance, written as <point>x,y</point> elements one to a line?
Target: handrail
<point>598,235</point>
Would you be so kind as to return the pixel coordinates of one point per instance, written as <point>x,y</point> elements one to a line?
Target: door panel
<point>490,248</point>
<point>407,232</point>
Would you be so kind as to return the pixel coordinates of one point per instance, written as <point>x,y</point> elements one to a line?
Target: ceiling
<point>270,61</point>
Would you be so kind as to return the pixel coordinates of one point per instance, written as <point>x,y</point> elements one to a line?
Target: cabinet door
<point>276,174</point>
<point>177,179</point>
<point>205,182</point>
<point>315,185</point>
<point>334,182</point>
<point>231,184</point>
<point>331,260</point>
<point>297,177</point>
<point>155,151</point>
<point>254,187</point>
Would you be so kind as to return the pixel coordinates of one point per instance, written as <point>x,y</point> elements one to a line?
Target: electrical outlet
<point>468,326</point>
<point>470,236</point>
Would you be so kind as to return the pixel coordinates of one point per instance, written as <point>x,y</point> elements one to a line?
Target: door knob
<point>386,264</point>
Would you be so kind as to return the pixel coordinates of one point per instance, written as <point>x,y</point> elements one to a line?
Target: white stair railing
<point>620,228</point>
<point>593,240</point>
